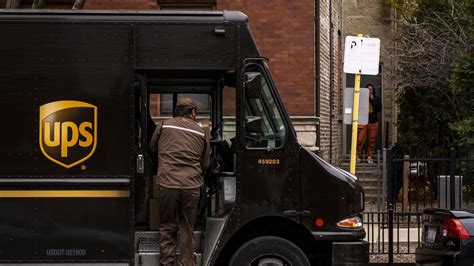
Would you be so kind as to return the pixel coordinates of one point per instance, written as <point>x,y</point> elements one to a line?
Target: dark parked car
<point>447,238</point>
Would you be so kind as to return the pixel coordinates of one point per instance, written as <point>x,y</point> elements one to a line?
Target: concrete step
<point>368,174</point>
<point>363,163</point>
<point>368,185</point>
<point>361,167</point>
<point>368,179</point>
<point>370,188</point>
<point>364,170</point>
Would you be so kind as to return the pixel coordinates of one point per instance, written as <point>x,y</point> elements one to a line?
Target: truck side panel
<point>44,63</point>
<point>66,93</point>
<point>214,46</point>
<point>66,229</point>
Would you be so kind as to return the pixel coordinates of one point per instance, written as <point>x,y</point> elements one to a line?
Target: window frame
<point>272,88</point>
<point>204,111</point>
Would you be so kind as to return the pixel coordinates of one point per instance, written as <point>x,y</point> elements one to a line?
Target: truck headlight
<point>354,222</point>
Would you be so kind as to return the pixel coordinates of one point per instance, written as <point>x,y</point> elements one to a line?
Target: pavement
<point>377,227</point>
<point>377,233</point>
<point>405,237</point>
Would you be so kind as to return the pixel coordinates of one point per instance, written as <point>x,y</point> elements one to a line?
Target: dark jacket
<point>374,107</point>
<point>183,153</point>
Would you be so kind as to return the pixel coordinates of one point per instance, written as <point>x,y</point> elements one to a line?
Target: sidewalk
<point>375,234</point>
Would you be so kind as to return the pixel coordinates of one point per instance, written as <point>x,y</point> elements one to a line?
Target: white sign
<point>363,106</point>
<point>361,55</point>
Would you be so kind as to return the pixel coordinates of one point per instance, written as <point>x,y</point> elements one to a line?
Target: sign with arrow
<point>361,55</point>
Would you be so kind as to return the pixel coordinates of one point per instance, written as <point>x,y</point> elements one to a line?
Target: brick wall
<point>331,26</point>
<point>338,45</point>
<point>284,32</point>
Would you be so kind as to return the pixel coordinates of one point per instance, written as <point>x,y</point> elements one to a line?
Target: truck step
<point>148,242</point>
<point>147,248</point>
<point>153,259</point>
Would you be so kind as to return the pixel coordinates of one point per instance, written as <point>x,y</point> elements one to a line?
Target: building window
<point>161,104</point>
<point>202,102</point>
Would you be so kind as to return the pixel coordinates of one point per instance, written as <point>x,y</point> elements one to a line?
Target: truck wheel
<point>269,250</point>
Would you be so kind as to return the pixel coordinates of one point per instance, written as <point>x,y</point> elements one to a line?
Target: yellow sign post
<point>361,57</point>
<point>355,122</point>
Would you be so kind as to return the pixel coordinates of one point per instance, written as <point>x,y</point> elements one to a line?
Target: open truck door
<point>269,148</point>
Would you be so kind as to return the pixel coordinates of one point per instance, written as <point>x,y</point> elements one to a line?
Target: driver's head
<point>185,107</point>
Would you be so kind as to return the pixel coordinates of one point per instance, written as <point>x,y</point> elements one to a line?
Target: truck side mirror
<point>253,84</point>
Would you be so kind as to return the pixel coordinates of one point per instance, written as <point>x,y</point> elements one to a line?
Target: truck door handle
<point>140,164</point>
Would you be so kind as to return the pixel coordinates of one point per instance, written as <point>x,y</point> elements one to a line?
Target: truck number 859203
<point>268,161</point>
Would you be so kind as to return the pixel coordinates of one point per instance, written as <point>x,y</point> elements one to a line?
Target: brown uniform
<point>183,156</point>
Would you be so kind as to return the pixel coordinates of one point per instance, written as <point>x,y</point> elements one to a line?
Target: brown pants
<point>362,132</point>
<point>177,211</point>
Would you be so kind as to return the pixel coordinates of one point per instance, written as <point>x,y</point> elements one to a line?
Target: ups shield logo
<point>68,131</point>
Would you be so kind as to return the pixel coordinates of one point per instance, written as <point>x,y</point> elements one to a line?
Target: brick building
<point>331,79</point>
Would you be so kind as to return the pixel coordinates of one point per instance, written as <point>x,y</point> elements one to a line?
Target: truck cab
<point>88,89</point>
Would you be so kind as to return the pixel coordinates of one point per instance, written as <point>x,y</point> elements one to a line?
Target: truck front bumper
<point>350,253</point>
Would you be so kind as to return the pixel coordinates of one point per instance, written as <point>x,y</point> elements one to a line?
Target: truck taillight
<point>453,228</point>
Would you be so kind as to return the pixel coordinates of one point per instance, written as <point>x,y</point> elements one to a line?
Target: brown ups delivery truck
<point>75,170</point>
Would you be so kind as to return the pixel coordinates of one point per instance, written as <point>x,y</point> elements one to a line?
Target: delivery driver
<point>183,157</point>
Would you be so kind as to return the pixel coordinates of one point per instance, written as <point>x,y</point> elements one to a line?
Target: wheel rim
<point>270,260</point>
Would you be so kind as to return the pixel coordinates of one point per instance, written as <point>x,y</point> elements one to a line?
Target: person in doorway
<point>370,130</point>
<point>183,157</point>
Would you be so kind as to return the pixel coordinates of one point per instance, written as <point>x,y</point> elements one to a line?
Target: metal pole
<point>379,182</point>
<point>390,200</point>
<point>331,80</point>
<point>389,177</point>
<point>384,178</point>
<point>452,182</point>
<point>390,234</point>
<point>355,117</point>
<point>317,33</point>
<point>406,174</point>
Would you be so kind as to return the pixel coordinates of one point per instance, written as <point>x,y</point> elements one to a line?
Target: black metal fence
<point>405,226</point>
<point>414,184</point>
<point>393,233</point>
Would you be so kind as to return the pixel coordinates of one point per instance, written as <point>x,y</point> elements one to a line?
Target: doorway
<point>378,86</point>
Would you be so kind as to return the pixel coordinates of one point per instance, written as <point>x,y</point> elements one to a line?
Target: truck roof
<point>126,16</point>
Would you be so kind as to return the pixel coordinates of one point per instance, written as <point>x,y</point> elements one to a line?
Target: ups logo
<point>68,131</point>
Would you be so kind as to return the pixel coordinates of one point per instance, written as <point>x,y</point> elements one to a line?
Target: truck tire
<point>269,250</point>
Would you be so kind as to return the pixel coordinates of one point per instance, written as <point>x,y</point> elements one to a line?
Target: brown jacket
<point>183,153</point>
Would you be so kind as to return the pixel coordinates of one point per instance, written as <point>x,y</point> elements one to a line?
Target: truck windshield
<point>264,126</point>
